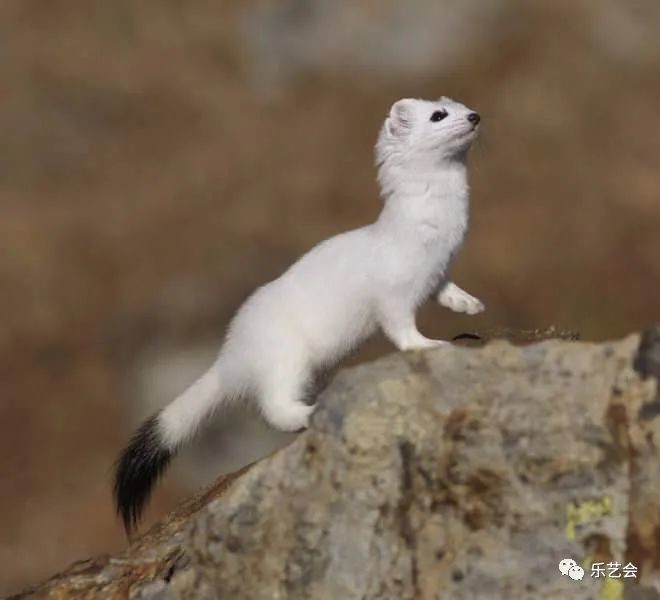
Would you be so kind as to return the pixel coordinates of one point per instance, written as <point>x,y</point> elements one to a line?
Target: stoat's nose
<point>474,118</point>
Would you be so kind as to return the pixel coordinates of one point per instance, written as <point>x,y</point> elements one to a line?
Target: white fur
<point>459,300</point>
<point>346,287</point>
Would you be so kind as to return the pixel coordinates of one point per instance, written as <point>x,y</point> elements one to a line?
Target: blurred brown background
<point>158,160</point>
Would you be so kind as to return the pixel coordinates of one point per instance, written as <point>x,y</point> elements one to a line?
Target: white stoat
<point>335,296</point>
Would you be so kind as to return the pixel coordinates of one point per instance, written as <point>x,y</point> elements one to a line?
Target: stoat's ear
<point>401,118</point>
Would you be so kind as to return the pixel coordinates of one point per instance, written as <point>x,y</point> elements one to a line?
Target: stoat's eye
<point>438,115</point>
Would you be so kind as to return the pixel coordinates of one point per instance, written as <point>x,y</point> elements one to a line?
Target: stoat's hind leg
<point>283,397</point>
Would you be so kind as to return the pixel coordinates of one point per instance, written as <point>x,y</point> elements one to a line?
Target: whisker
<point>483,141</point>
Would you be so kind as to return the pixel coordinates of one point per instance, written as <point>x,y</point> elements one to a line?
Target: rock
<point>456,473</point>
<point>515,336</point>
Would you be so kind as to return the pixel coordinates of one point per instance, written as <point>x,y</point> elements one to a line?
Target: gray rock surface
<point>458,473</point>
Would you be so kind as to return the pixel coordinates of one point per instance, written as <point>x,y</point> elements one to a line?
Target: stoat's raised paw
<point>460,301</point>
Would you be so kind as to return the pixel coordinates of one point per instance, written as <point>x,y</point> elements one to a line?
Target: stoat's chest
<point>427,233</point>
<point>440,217</point>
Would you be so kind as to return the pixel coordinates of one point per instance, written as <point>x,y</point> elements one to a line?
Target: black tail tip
<point>138,469</point>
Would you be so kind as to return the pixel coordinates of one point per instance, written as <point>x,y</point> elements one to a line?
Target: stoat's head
<point>425,133</point>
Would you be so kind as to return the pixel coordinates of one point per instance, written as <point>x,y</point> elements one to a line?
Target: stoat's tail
<point>155,443</point>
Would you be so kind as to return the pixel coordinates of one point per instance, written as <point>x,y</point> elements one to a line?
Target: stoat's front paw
<point>459,301</point>
<point>288,416</point>
<point>424,344</point>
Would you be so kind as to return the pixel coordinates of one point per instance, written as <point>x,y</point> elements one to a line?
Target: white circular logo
<point>565,565</point>
<point>576,573</point>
